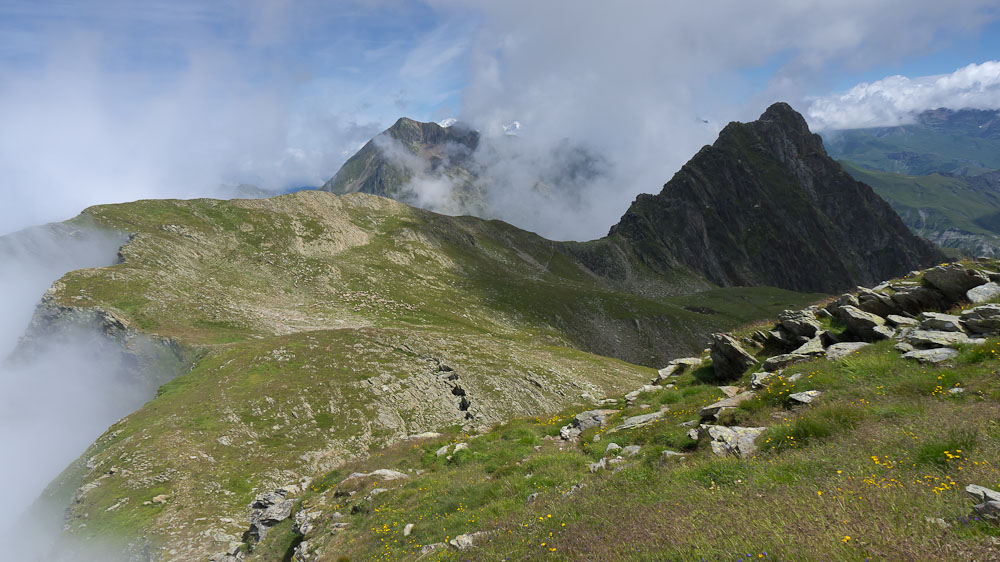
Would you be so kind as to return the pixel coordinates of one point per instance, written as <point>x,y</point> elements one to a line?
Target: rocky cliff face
<point>765,205</point>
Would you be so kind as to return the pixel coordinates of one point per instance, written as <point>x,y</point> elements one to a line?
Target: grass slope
<point>328,328</point>
<point>874,470</point>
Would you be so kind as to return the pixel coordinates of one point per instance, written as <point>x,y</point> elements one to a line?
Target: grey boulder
<point>729,358</point>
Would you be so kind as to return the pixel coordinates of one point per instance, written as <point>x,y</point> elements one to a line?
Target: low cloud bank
<point>61,390</point>
<point>896,100</point>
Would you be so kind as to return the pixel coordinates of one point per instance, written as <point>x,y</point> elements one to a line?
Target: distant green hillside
<point>965,142</point>
<point>953,211</point>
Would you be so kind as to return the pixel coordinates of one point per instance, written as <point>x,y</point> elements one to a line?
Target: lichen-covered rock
<point>929,339</point>
<point>937,355</point>
<point>941,322</point>
<point>983,293</point>
<point>739,441</point>
<point>799,322</point>
<point>982,319</point>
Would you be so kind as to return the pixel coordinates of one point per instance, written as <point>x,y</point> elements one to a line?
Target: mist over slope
<point>60,389</point>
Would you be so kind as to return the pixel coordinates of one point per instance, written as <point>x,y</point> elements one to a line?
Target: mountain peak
<point>765,205</point>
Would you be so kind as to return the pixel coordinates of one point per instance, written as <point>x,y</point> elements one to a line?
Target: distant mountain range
<point>937,173</point>
<point>958,142</point>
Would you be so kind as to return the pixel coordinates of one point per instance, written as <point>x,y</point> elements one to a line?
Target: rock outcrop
<point>765,205</point>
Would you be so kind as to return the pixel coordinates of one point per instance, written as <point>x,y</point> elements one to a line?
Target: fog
<point>646,84</point>
<point>114,101</point>
<point>62,389</point>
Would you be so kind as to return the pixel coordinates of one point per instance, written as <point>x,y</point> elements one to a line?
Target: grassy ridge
<point>322,324</point>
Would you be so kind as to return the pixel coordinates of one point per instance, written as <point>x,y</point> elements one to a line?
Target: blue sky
<point>116,100</point>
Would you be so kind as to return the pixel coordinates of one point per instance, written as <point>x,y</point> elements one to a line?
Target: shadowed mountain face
<point>766,205</point>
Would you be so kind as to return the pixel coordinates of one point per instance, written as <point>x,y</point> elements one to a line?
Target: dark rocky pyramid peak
<point>765,205</point>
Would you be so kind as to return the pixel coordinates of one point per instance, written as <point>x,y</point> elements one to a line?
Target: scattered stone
<point>838,351</point>
<point>380,474</point>
<point>634,395</point>
<point>531,498</point>
<point>429,548</point>
<point>794,377</point>
<point>304,521</point>
<point>781,361</point>
<point>162,498</point>
<point>694,434</point>
<point>408,529</point>
<point>443,450</point>
<point>812,348</point>
<point>862,324</point>
<point>639,421</point>
<point>266,510</point>
<point>875,302</point>
<point>840,302</point>
<point>901,321</point>
<point>730,391</point>
<point>932,355</point>
<point>425,435</point>
<point>937,521</point>
<point>802,323</point>
<point>572,490</point>
<point>956,390</point>
<point>758,380</point>
<point>612,448</point>
<point>928,339</point>
<point>729,359</point>
<point>631,450</point>
<point>982,319</point>
<point>671,456</point>
<point>460,447</point>
<point>989,506</point>
<point>983,293</point>
<point>914,300</point>
<point>953,280</point>
<point>712,410</point>
<point>607,402</point>
<point>584,421</point>
<point>735,440</point>
<point>941,322</point>
<point>806,397</point>
<point>595,466</point>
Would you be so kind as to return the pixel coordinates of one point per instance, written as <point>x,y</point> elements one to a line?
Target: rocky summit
<point>765,205</point>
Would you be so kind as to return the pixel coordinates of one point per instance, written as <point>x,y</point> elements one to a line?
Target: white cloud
<point>630,80</point>
<point>897,99</point>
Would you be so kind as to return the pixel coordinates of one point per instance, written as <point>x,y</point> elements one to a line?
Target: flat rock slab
<point>784,360</point>
<point>639,421</point>
<point>838,351</point>
<point>941,322</point>
<point>902,321</point>
<point>932,355</point>
<point>935,338</point>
